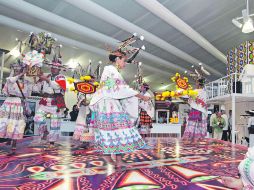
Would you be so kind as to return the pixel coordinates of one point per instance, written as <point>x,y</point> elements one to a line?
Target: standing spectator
<point>66,113</point>
<point>218,123</point>
<point>209,127</point>
<point>213,116</point>
<point>74,113</point>
<point>183,126</point>
<point>225,129</point>
<point>230,125</point>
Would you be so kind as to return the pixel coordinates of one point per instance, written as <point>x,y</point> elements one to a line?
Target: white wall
<point>70,99</point>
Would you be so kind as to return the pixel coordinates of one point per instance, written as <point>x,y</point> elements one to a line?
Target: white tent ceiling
<point>84,27</point>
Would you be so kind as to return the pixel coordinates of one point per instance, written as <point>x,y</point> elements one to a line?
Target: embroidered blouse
<point>11,87</point>
<point>112,85</point>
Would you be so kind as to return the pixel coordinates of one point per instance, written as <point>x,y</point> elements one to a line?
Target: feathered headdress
<point>57,59</point>
<point>18,64</point>
<point>199,74</point>
<point>80,72</point>
<point>42,42</point>
<point>40,45</point>
<point>145,85</point>
<point>126,48</point>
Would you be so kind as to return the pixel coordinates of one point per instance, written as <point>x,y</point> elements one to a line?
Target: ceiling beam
<point>104,14</point>
<point>67,41</point>
<point>56,20</point>
<point>162,12</point>
<point>6,70</point>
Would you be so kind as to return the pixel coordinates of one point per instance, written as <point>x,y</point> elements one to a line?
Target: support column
<point>168,117</point>
<point>2,72</point>
<point>233,119</point>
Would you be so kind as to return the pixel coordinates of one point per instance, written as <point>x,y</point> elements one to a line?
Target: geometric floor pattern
<point>170,164</point>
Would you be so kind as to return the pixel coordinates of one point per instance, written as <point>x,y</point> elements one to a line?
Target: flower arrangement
<point>181,82</point>
<point>183,88</point>
<point>179,93</point>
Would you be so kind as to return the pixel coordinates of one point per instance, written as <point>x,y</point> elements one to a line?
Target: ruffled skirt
<point>12,120</point>
<point>113,129</point>
<point>196,126</point>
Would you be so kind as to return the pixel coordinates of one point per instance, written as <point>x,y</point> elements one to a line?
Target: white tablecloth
<point>166,128</point>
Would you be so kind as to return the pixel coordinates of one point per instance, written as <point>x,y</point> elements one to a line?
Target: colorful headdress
<point>145,85</point>
<point>42,42</point>
<point>80,72</point>
<point>199,74</point>
<point>126,49</point>
<point>40,45</point>
<point>57,62</point>
<point>84,77</point>
<point>57,59</point>
<point>17,65</point>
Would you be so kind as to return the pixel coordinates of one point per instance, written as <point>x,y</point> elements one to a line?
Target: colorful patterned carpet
<point>169,165</point>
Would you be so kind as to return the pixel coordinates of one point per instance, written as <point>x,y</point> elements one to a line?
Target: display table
<point>67,127</point>
<point>164,128</point>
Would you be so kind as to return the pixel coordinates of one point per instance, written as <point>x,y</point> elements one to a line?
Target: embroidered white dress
<point>12,119</point>
<point>115,110</point>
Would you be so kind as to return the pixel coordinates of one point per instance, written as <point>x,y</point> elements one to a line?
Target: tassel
<point>205,71</point>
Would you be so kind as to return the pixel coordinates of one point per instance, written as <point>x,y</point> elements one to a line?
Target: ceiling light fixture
<point>247,23</point>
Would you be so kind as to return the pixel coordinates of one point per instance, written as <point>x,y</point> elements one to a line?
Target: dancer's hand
<point>146,98</point>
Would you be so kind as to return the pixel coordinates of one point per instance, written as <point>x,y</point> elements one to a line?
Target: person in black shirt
<point>74,113</point>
